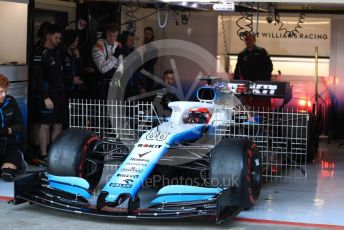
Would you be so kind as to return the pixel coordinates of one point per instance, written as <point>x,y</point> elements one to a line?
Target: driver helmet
<point>197,116</point>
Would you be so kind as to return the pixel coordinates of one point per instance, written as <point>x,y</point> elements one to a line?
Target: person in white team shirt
<point>107,56</point>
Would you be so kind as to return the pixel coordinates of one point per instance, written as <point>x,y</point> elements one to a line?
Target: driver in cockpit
<point>197,116</point>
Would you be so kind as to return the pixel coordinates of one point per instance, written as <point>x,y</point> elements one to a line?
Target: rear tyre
<point>71,155</point>
<point>312,138</point>
<point>236,162</point>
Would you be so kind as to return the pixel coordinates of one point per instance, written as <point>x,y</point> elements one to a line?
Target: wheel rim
<point>89,168</point>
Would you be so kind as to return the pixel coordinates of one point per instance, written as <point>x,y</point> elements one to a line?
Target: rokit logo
<point>152,146</point>
<point>260,89</point>
<point>127,175</point>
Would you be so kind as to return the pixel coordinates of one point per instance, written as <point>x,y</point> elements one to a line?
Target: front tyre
<point>236,162</point>
<point>71,155</point>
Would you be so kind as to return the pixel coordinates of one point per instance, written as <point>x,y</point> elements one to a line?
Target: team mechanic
<point>11,132</point>
<point>254,63</point>
<point>107,56</point>
<point>48,82</point>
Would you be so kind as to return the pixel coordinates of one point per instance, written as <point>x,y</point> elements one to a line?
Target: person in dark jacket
<point>166,95</point>
<point>11,132</point>
<point>49,89</point>
<point>41,33</point>
<point>132,59</point>
<point>254,63</point>
<point>72,64</point>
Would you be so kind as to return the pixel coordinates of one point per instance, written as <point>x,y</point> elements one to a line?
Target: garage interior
<point>305,44</point>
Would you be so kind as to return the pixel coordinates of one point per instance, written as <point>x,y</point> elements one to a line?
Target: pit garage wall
<point>13,23</point>
<point>13,50</point>
<point>337,73</point>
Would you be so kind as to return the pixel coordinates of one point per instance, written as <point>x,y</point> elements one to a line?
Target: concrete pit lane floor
<point>35,217</point>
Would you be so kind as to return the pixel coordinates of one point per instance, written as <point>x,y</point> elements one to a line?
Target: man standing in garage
<point>107,56</point>
<point>167,96</point>
<point>254,64</point>
<point>72,65</point>
<point>48,81</point>
<point>132,59</point>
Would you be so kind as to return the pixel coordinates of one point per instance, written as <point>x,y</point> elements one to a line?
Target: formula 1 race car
<point>181,168</point>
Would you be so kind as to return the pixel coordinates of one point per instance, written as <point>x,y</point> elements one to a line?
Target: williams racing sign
<point>312,32</point>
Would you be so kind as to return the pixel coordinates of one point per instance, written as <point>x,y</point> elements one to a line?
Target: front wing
<point>33,188</point>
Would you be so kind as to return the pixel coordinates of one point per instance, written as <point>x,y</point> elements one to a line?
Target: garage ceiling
<point>314,6</point>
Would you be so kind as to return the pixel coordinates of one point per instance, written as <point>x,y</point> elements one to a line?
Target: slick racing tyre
<point>235,162</point>
<point>71,154</point>
<point>312,138</point>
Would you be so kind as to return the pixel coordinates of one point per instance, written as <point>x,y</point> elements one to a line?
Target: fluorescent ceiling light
<point>200,1</point>
<point>224,6</point>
